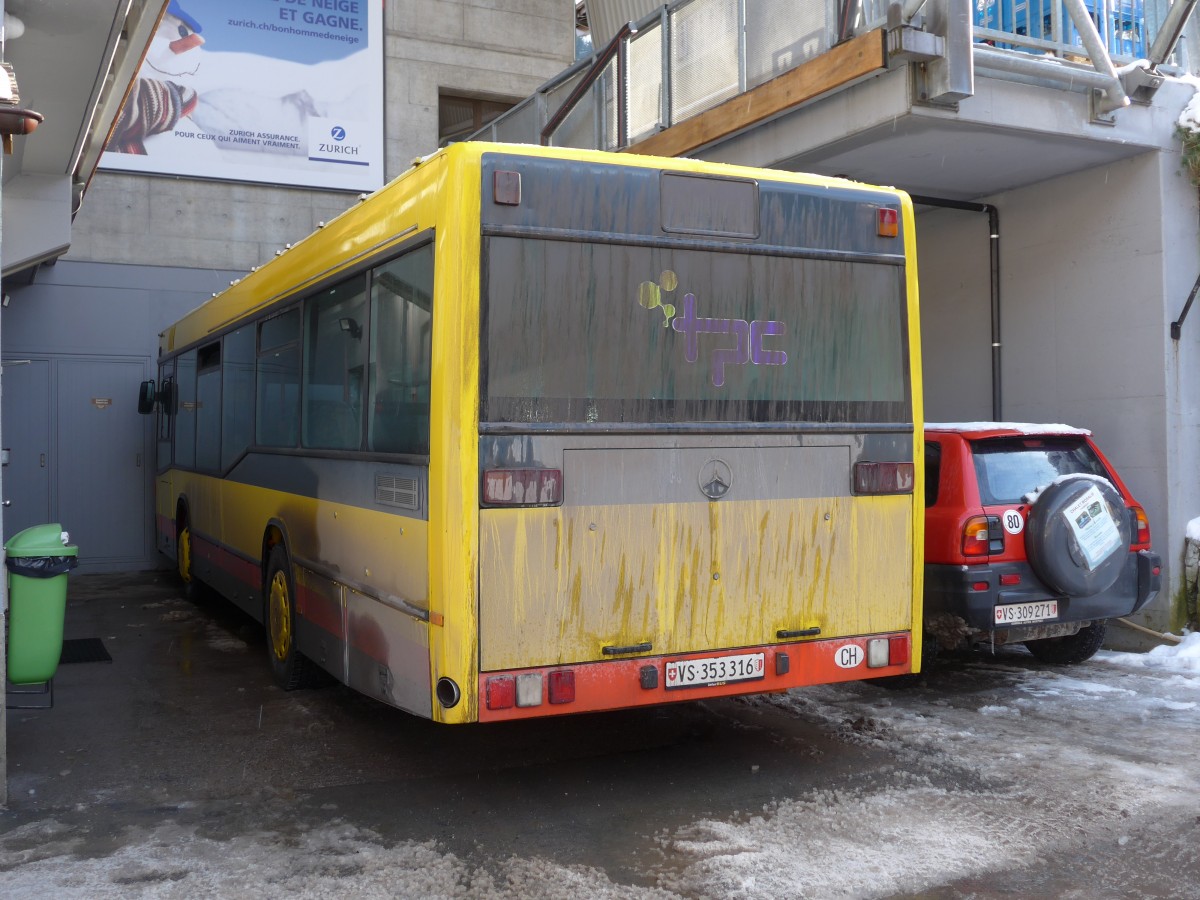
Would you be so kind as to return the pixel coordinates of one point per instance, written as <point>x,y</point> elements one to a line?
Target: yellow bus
<point>534,431</point>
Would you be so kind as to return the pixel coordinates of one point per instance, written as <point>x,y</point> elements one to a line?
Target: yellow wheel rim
<point>280,617</point>
<point>185,555</point>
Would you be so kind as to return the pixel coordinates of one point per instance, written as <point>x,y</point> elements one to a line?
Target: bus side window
<point>166,413</point>
<point>185,411</point>
<point>208,407</point>
<point>237,395</point>
<point>335,352</point>
<point>277,404</point>
<point>401,348</point>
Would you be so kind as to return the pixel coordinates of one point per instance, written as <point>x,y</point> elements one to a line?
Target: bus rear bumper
<point>624,683</point>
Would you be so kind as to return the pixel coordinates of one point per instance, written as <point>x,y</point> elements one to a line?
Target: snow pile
<point>1189,119</point>
<point>1184,656</point>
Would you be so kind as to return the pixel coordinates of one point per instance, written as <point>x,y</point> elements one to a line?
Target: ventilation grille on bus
<point>396,490</point>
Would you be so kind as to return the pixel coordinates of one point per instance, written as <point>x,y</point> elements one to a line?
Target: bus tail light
<point>883,478</point>
<point>889,222</point>
<point>1141,533</point>
<point>522,487</point>
<point>897,650</point>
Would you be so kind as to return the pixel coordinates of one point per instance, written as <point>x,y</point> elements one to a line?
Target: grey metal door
<point>26,439</point>
<point>101,468</point>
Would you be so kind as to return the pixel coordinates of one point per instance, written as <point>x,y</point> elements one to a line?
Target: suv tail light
<point>522,487</point>
<point>1141,526</point>
<point>883,478</point>
<point>982,535</point>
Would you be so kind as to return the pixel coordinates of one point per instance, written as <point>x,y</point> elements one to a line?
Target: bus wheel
<point>183,562</point>
<point>291,668</point>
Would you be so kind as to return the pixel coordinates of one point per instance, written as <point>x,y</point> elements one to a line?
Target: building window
<point>459,117</point>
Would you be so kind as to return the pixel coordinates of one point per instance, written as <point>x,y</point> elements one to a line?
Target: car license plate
<point>1019,613</point>
<point>714,670</point>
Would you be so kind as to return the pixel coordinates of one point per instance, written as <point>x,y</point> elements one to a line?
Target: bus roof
<point>403,208</point>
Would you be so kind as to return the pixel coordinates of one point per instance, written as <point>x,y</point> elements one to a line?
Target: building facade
<point>80,331</point>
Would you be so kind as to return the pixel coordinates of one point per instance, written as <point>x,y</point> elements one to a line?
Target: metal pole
<point>1171,31</point>
<point>1115,95</point>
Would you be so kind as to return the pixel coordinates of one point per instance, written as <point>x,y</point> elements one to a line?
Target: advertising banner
<point>274,91</point>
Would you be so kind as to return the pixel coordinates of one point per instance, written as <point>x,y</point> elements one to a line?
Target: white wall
<point>953,256</point>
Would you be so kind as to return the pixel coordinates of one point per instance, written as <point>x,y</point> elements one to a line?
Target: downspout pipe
<point>994,282</point>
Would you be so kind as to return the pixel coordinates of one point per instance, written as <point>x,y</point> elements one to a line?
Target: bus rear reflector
<point>883,478</point>
<point>501,692</point>
<point>897,650</point>
<point>522,487</point>
<point>561,686</point>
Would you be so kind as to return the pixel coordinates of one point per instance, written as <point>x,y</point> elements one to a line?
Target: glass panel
<point>782,34</point>
<point>644,83</point>
<point>704,56</point>
<point>580,332</point>
<point>237,402</point>
<point>166,412</point>
<point>208,408</point>
<point>277,406</point>
<point>334,366</point>
<point>401,347</point>
<point>1009,468</point>
<point>185,411</point>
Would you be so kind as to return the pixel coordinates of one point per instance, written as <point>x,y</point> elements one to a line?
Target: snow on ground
<point>337,861</point>
<point>1064,759</point>
<point>1000,765</point>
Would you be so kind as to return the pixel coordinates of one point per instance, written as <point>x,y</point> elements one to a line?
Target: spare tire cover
<point>1070,540</point>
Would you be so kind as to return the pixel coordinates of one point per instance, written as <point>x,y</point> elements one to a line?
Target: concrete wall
<point>91,314</point>
<point>471,47</point>
<point>953,256</point>
<point>1180,234</point>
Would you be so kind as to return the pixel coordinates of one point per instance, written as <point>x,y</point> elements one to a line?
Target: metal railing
<point>694,54</point>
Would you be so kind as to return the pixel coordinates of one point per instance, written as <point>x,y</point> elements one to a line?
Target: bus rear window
<point>580,332</point>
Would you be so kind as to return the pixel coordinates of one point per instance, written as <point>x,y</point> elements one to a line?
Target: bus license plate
<point>714,670</point>
<point>1019,613</point>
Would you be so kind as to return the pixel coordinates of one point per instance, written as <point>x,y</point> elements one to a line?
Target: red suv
<point>1030,537</point>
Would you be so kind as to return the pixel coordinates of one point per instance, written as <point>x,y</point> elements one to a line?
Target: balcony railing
<point>694,54</point>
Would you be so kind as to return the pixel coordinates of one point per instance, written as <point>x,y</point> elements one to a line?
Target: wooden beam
<point>838,67</point>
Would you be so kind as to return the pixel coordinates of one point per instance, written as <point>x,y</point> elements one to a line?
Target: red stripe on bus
<point>324,612</point>
<point>244,570</point>
<point>617,684</point>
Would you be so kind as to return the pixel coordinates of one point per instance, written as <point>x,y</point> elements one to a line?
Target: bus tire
<point>192,589</point>
<point>290,667</point>
<point>1072,649</point>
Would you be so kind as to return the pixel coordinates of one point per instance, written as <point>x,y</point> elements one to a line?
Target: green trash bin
<point>38,560</point>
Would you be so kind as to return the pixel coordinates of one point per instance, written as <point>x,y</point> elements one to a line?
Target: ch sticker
<point>848,656</point>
